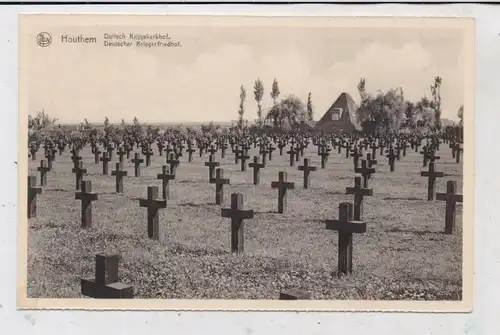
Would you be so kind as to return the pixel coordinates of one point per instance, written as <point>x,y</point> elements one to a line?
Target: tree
<point>384,112</point>
<point>309,108</point>
<point>241,112</point>
<point>436,103</point>
<point>258,91</point>
<point>106,122</point>
<point>291,109</point>
<point>275,92</point>
<point>460,115</point>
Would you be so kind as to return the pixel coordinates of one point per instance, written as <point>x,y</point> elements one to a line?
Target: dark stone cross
<point>153,204</point>
<point>451,198</point>
<point>256,169</point>
<point>79,172</point>
<point>110,149</point>
<point>370,161</point>
<point>119,177</point>
<point>212,164</point>
<point>365,171</point>
<point>346,226</point>
<point>105,159</point>
<point>307,172</point>
<point>43,168</point>
<point>237,215</point>
<point>282,185</point>
<point>106,284</point>
<point>237,151</point>
<point>97,152</point>
<point>75,158</point>
<point>355,154</point>
<point>431,180</point>
<point>51,156</point>
<point>324,156</point>
<point>173,162</point>
<point>219,182</point>
<point>212,150</point>
<point>392,158</point>
<point>33,191</point>
<point>270,150</point>
<point>165,177</point>
<point>243,157</point>
<point>121,154</point>
<point>263,153</point>
<point>148,152</point>
<point>190,151</point>
<point>137,164</point>
<point>457,149</point>
<point>358,192</point>
<point>86,196</point>
<point>292,152</point>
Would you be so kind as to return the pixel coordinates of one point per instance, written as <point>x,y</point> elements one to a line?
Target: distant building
<point>340,117</point>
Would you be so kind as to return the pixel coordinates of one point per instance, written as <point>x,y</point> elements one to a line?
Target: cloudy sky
<point>201,80</point>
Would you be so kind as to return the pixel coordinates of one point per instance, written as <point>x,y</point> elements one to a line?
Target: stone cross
<point>43,168</point>
<point>153,204</point>
<point>358,192</point>
<point>137,164</point>
<point>346,226</point>
<point>282,185</point>
<point>365,171</point>
<point>165,177</point>
<point>148,152</point>
<point>451,198</point>
<point>392,158</point>
<point>324,156</point>
<point>79,171</point>
<point>292,154</point>
<point>119,177</point>
<point>106,284</point>
<point>86,196</point>
<point>105,159</point>
<point>219,182</point>
<point>243,157</point>
<point>190,151</point>
<point>307,170</point>
<point>237,215</point>
<point>173,162</point>
<point>97,152</point>
<point>256,169</point>
<point>431,180</point>
<point>33,191</point>
<point>212,164</point>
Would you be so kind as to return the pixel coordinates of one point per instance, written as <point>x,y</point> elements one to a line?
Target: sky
<point>200,81</point>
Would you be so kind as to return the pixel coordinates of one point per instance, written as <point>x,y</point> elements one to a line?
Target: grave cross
<point>33,191</point>
<point>359,192</point>
<point>43,168</point>
<point>165,176</point>
<point>256,169</point>
<point>365,171</point>
<point>75,158</point>
<point>219,182</point>
<point>148,152</point>
<point>211,166</point>
<point>431,180</point>
<point>190,151</point>
<point>237,215</point>
<point>324,156</point>
<point>105,159</point>
<point>106,284</point>
<point>173,162</point>
<point>153,204</point>
<point>282,185</point>
<point>119,177</point>
<point>121,154</point>
<point>137,164</point>
<point>356,155</point>
<point>451,198</point>
<point>97,152</point>
<point>86,196</point>
<point>243,157</point>
<point>79,171</point>
<point>292,152</point>
<point>392,158</point>
<point>346,227</point>
<point>307,171</point>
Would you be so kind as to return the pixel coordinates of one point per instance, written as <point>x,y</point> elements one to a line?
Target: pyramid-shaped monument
<point>340,117</point>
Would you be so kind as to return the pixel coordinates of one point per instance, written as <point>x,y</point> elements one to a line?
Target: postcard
<point>181,162</point>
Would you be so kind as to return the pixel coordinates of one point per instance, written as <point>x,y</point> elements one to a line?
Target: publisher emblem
<point>44,39</point>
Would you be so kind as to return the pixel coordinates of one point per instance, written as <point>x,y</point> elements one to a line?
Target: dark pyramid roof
<point>349,107</point>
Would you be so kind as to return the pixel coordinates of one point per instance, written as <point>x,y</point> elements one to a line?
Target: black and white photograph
<point>246,160</point>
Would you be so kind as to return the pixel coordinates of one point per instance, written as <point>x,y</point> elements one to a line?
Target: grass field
<point>403,254</point>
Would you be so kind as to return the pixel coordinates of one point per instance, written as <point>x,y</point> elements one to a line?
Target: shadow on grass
<point>416,232</point>
<point>403,198</point>
<point>55,190</point>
